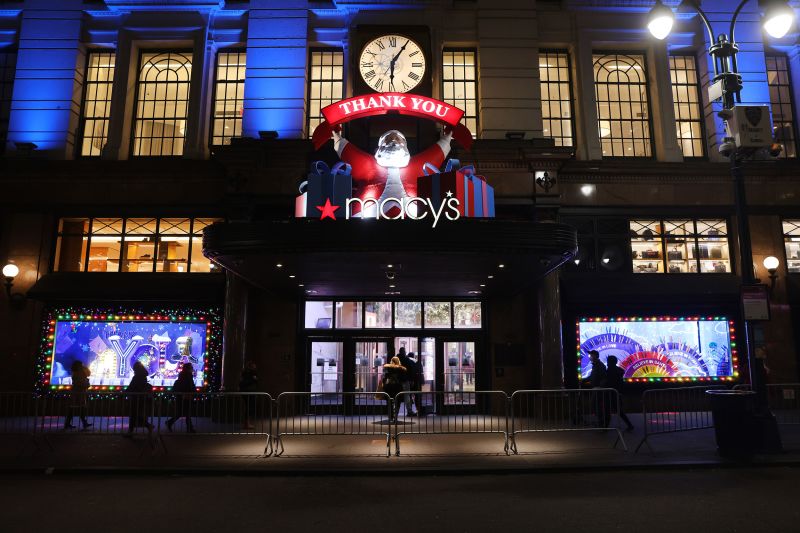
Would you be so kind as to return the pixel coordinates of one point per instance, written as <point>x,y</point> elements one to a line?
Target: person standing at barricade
<point>597,380</point>
<point>139,401</point>
<point>184,387</point>
<point>407,380</point>
<point>615,380</point>
<point>248,383</point>
<point>393,375</point>
<point>80,385</point>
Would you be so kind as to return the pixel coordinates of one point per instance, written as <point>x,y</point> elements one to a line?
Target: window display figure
<point>392,172</point>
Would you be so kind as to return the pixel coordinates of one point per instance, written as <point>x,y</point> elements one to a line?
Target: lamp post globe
<point>771,263</point>
<point>778,18</point>
<point>10,271</point>
<point>660,21</point>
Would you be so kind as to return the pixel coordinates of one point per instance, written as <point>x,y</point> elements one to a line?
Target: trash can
<point>733,412</point>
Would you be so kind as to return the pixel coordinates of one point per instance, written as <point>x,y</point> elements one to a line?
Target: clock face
<point>392,63</point>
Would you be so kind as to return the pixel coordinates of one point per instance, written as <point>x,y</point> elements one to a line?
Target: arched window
<point>162,103</point>
<point>620,84</point>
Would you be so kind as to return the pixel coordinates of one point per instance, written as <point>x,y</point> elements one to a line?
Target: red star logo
<point>327,210</point>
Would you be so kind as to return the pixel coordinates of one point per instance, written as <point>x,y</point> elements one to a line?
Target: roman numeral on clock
<point>379,84</point>
<point>380,45</point>
<point>365,64</point>
<point>416,65</point>
<point>412,54</point>
<point>369,75</point>
<point>392,41</point>
<point>405,85</point>
<point>414,76</point>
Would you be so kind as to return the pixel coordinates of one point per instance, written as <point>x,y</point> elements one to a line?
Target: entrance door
<point>459,373</point>
<point>370,356</point>
<point>326,372</point>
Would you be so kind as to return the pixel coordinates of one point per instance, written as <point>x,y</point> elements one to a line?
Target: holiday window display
<point>109,343</point>
<point>661,348</point>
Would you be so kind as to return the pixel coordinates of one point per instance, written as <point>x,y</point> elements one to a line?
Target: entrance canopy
<point>466,257</point>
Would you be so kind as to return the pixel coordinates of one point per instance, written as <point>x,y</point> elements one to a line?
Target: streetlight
<point>778,19</point>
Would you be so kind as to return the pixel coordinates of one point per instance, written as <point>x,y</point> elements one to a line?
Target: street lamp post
<point>778,19</point>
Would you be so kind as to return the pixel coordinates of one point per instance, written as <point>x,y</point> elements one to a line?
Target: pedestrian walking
<point>248,383</point>
<point>140,402</point>
<point>78,396</point>
<point>184,387</point>
<point>597,380</point>
<point>407,380</point>
<point>615,380</point>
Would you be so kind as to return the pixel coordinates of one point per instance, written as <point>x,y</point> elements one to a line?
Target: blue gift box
<point>328,183</point>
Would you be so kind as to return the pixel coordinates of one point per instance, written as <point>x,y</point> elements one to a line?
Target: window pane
<point>622,105</point>
<point>459,84</point>
<point>686,101</point>
<point>408,314</point>
<point>201,263</point>
<point>319,315</point>
<point>378,314</point>
<point>555,83</point>
<point>104,253</point>
<point>226,121</point>
<point>173,254</point>
<point>162,103</point>
<point>781,100</point>
<point>467,314</point>
<point>348,315</point>
<point>325,84</point>
<point>791,237</point>
<point>646,246</point>
<point>437,314</point>
<point>97,102</point>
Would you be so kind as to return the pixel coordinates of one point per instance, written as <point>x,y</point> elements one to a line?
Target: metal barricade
<point>473,413</point>
<point>222,414</point>
<point>333,414</point>
<point>676,409</point>
<point>783,400</point>
<point>17,418</point>
<point>553,410</point>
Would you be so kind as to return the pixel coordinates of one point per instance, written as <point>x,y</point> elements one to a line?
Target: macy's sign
<point>412,208</point>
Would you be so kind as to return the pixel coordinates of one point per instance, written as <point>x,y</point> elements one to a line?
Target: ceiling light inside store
<point>587,190</point>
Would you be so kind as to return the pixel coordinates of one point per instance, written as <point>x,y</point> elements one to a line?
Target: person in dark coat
<point>408,380</point>
<point>80,386</point>
<point>139,386</point>
<point>393,375</point>
<point>597,380</point>
<point>184,385</point>
<point>249,383</point>
<point>615,380</point>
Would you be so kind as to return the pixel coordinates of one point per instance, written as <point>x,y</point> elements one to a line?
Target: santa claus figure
<point>392,172</point>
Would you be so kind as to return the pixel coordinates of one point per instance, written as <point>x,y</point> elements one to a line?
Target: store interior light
<point>587,190</point>
<point>771,263</point>
<point>660,21</point>
<point>10,271</point>
<point>778,18</point>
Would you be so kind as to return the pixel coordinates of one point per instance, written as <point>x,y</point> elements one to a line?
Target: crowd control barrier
<point>552,410</point>
<point>783,400</point>
<point>335,413</point>
<point>462,413</point>
<point>130,414</point>
<point>675,409</point>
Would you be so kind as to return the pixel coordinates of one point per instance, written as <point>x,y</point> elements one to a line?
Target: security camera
<point>390,275</point>
<point>727,148</point>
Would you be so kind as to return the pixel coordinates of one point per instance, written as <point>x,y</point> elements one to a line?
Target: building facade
<point>152,154</point>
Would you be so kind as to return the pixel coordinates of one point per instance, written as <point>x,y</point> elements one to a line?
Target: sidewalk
<point>181,453</point>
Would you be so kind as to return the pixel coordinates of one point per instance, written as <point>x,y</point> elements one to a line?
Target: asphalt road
<point>707,500</point>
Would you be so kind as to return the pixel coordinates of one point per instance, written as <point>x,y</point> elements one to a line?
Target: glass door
<point>370,356</point>
<point>326,372</point>
<point>459,373</point>
<point>427,362</point>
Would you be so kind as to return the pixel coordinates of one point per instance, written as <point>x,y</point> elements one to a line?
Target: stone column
<point>46,98</point>
<point>195,144</point>
<point>274,93</point>
<point>662,109</point>
<point>509,69</point>
<point>234,338</point>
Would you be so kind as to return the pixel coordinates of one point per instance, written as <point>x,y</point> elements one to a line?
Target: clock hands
<point>393,61</point>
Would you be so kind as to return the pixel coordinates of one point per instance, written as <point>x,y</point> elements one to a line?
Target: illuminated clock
<point>392,63</point>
